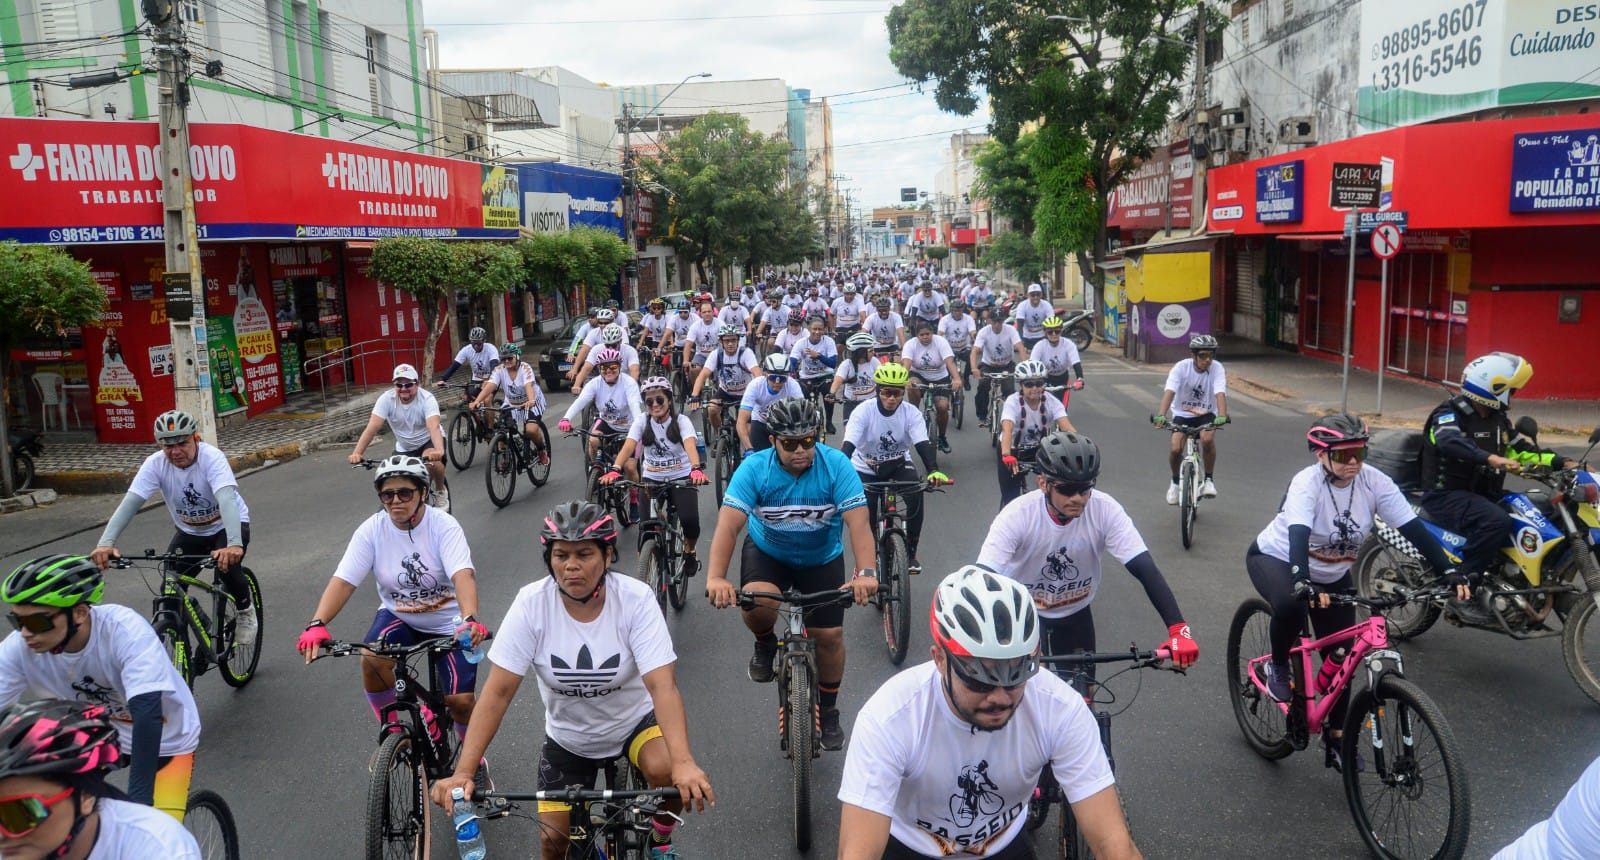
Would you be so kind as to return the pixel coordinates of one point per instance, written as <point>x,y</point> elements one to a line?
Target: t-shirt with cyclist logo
<point>929,307</point>
<point>654,326</point>
<point>927,360</point>
<point>408,421</point>
<point>858,382</point>
<point>817,306</point>
<point>798,520</point>
<point>732,373</point>
<point>1060,565</point>
<point>847,313</point>
<point>680,326</point>
<point>704,335</point>
<point>591,674</point>
<point>958,332</point>
<point>517,390</point>
<point>814,368</point>
<point>190,493</point>
<point>885,330</point>
<point>786,339</point>
<point>1030,318</point>
<point>1339,519</point>
<point>1195,393</point>
<point>665,460</point>
<point>757,397</point>
<point>1029,424</point>
<point>735,315</point>
<point>481,359</point>
<point>775,318</point>
<point>997,349</point>
<point>881,438</point>
<point>615,404</point>
<point>948,790</point>
<point>1059,358</point>
<point>413,570</point>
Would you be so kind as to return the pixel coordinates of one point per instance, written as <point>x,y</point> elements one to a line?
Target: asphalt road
<point>290,751</point>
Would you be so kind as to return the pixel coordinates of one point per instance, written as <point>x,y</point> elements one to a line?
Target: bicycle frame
<point>405,712</point>
<point>1369,648</point>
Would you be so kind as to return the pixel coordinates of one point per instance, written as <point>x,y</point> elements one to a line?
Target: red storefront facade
<point>1474,276</point>
<point>286,224</point>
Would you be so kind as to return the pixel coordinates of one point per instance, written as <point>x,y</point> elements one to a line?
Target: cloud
<point>883,139</point>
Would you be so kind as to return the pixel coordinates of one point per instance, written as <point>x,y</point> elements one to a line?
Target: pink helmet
<point>606,355</point>
<point>656,382</point>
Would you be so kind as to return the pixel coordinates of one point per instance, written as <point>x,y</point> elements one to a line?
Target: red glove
<point>478,630</point>
<point>1077,384</point>
<point>697,476</point>
<point>1184,649</point>
<point>564,425</point>
<point>1009,461</point>
<point>313,639</point>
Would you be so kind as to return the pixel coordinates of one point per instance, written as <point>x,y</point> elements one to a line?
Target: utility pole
<point>630,199</point>
<point>183,283</point>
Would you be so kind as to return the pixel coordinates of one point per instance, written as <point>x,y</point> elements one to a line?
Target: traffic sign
<point>1386,241</point>
<point>1366,221</point>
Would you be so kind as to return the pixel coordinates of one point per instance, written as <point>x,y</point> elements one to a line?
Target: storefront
<point>1157,279</point>
<point>286,224</point>
<point>1501,217</point>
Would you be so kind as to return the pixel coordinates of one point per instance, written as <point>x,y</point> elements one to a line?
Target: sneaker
<point>984,423</point>
<point>543,456</point>
<point>1279,681</point>
<point>1172,494</point>
<point>481,783</point>
<point>1208,489</point>
<point>832,732</point>
<point>914,567</point>
<point>244,626</point>
<point>1332,758</point>
<point>944,445</point>
<point>761,661</point>
<point>832,430</point>
<point>441,499</point>
<point>690,566</point>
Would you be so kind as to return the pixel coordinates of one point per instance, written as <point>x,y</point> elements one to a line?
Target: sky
<point>883,140</point>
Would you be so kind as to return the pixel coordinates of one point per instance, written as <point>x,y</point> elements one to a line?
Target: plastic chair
<point>52,395</point>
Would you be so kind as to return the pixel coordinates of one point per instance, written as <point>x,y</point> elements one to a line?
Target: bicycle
<point>797,692</point>
<point>510,452</point>
<point>415,748</point>
<point>997,402</point>
<point>817,396</point>
<point>209,820</point>
<point>725,451</point>
<point>931,392</point>
<point>610,823</point>
<point>661,542</point>
<point>610,497</point>
<point>1191,472</point>
<point>1071,841</point>
<point>958,400</point>
<point>467,429</point>
<point>1411,746</point>
<point>893,599</point>
<point>194,639</point>
<point>433,493</point>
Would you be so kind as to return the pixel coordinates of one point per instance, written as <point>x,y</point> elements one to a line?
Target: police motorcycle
<point>1548,581</point>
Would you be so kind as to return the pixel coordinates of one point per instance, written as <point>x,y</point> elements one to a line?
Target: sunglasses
<point>404,494</point>
<point>403,386</point>
<point>23,813</point>
<point>608,368</point>
<point>509,359</point>
<point>792,445</point>
<point>42,622</point>
<point>777,377</point>
<point>1032,383</point>
<point>1348,455</point>
<point>1070,490</point>
<point>980,687</point>
<point>1204,354</point>
<point>657,401</point>
<point>892,392</point>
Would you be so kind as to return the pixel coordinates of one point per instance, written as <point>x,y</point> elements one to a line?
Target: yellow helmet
<point>891,374</point>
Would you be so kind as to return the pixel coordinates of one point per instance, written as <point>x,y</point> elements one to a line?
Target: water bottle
<point>430,722</point>
<point>1330,668</point>
<point>474,654</point>
<point>469,839</point>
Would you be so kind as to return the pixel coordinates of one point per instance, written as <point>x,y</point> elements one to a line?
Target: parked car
<point>556,359</point>
<point>670,298</point>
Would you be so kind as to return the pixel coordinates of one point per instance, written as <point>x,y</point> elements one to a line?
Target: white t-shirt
<point>858,382</point>
<point>1572,832</point>
<point>122,659</point>
<point>190,493</point>
<point>958,332</point>
<point>775,318</point>
<point>629,355</point>
<point>592,338</point>
<point>654,326</point>
<point>950,791</point>
<point>591,675</point>
<point>408,421</point>
<point>928,360</point>
<point>735,315</point>
<point>1060,565</point>
<point>133,831</point>
<point>787,338</point>
<point>615,404</point>
<point>927,307</point>
<point>1339,518</point>
<point>481,362</point>
<point>847,312</point>
<point>704,335</point>
<point>1058,359</point>
<point>1195,393</point>
<point>756,397</point>
<point>1029,425</point>
<point>1030,318</point>
<point>880,438</point>
<point>680,326</point>
<point>732,373</point>
<point>884,329</point>
<point>813,368</point>
<point>517,390</point>
<point>815,306</point>
<point>413,570</point>
<point>665,460</point>
<point>997,349</point>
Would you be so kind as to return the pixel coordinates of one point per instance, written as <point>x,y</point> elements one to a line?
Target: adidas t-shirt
<point>1339,519</point>
<point>1059,564</point>
<point>591,674</point>
<point>413,569</point>
<point>190,493</point>
<point>881,438</point>
<point>133,831</point>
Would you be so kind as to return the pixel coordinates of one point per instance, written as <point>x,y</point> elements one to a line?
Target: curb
<point>26,499</point>
<point>1280,393</point>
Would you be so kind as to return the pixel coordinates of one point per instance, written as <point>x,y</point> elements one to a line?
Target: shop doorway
<point>1427,322</point>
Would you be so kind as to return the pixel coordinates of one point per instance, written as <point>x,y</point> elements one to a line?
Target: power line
<point>662,20</point>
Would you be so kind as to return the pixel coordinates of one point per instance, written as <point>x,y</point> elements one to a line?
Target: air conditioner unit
<point>1239,140</point>
<point>1217,140</point>
<point>1234,118</point>
<point>1298,129</point>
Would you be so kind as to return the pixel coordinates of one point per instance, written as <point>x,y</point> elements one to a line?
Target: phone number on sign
<point>1441,60</point>
<point>1446,26</point>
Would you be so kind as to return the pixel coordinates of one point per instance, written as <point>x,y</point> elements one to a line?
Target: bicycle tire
<point>677,583</point>
<point>176,644</point>
<point>723,467</point>
<point>22,470</point>
<point>593,488</point>
<point>1186,502</point>
<point>994,416</point>
<point>397,802</point>
<point>1073,844</point>
<point>1403,704</point>
<point>1573,649</point>
<point>629,843</point>
<point>802,740</point>
<point>895,568</point>
<point>651,568</point>
<point>462,443</point>
<point>500,471</point>
<point>958,408</point>
<point>1039,804</point>
<point>239,661</point>
<point>1265,726</point>
<point>209,820</point>
<point>1379,571</point>
<point>539,473</point>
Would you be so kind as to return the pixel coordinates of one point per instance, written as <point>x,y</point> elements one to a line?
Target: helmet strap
<point>599,587</point>
<point>80,820</point>
<point>1057,516</point>
<point>72,631</point>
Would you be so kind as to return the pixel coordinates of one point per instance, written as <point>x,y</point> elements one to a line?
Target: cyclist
<point>879,440</point>
<point>980,718</point>
<point>1574,824</point>
<point>816,357</point>
<point>420,563</point>
<point>413,415</point>
<point>1024,420</point>
<point>599,317</point>
<point>68,647</point>
<point>678,325</point>
<point>54,799</point>
<point>926,305</point>
<point>792,296</point>
<point>932,362</point>
<point>769,319</point>
<point>749,296</point>
<point>735,314</point>
<point>804,552</point>
<point>554,624</point>
<point>654,330</point>
<point>202,496</point>
<point>615,398</point>
<point>777,383</point>
<point>958,328</point>
<point>479,357</point>
<point>814,305</point>
<point>980,294</point>
<point>702,338</point>
<point>1197,395</point>
<point>1059,356</point>
<point>731,368</point>
<point>1052,540</point>
<point>1310,545</point>
<point>515,378</point>
<point>855,373</point>
<point>996,349</point>
<point>1030,316</point>
<point>612,336</point>
<point>793,332</point>
<point>848,312</point>
<point>884,324</point>
<point>665,441</point>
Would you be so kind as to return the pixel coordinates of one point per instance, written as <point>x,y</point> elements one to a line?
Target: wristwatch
<point>867,571</point>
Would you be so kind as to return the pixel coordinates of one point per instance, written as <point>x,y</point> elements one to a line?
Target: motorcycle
<point>1547,583</point>
<point>25,445</point>
<point>1080,328</point>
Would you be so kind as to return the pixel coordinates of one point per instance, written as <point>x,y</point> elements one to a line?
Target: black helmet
<point>579,521</point>
<point>1339,430</point>
<point>1068,456</point>
<point>58,738</point>
<point>54,580</point>
<point>792,416</point>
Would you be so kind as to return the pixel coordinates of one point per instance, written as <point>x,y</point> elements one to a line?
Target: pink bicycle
<point>1403,774</point>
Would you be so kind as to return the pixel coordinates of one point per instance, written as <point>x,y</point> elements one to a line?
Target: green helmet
<point>54,580</point>
<point>511,349</point>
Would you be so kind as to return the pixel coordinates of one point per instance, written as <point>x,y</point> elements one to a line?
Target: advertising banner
<point>574,196</point>
<point>227,376</point>
<point>1166,179</point>
<point>1556,171</point>
<point>1280,191</point>
<point>502,195</point>
<point>1426,59</point>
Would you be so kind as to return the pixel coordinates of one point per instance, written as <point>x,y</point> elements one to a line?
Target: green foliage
<point>1067,215</point>
<point>1005,179</point>
<point>432,270</point>
<point>589,256</point>
<point>43,291</point>
<point>936,252</point>
<point>606,252</point>
<point>1015,252</point>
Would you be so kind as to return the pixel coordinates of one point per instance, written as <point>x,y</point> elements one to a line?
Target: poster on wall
<point>253,335</point>
<point>293,383</point>
<point>1556,171</point>
<point>161,361</point>
<point>1280,189</point>
<point>120,410</point>
<point>501,193</point>
<point>227,376</point>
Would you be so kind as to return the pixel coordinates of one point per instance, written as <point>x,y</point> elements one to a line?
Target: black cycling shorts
<point>757,566</point>
<point>560,768</point>
<point>1196,420</point>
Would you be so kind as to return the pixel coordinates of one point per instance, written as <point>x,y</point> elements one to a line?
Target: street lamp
<point>628,201</point>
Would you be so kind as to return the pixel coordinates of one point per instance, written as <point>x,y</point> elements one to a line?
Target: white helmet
<point>777,362</point>
<point>1031,369</point>
<point>1490,379</point>
<point>986,624</point>
<point>613,334</point>
<point>605,315</point>
<point>402,466</point>
<point>175,424</point>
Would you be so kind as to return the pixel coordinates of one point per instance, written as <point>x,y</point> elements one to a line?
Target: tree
<point>43,292</point>
<point>432,270</point>
<point>936,252</point>
<point>1015,252</point>
<point>589,256</point>
<point>1005,179</point>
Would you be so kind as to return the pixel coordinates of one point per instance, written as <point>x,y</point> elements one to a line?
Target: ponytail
<point>674,432</point>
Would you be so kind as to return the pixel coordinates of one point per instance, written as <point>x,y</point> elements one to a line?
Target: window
<point>372,53</point>
<point>306,69</point>
<point>278,45</point>
<point>379,98</point>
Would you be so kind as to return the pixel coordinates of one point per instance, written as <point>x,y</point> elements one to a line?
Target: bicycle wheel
<point>1073,844</point>
<point>994,417</point>
<point>723,470</point>
<point>397,802</point>
<point>802,737</point>
<point>209,820</point>
<point>462,443</point>
<point>1380,572</point>
<point>240,659</point>
<point>539,473</point>
<point>897,604</point>
<point>652,566</point>
<point>1575,645</point>
<point>672,573</point>
<point>958,407</point>
<point>171,634</point>
<point>1410,800</point>
<point>500,471</point>
<point>1187,491</point>
<point>1264,723</point>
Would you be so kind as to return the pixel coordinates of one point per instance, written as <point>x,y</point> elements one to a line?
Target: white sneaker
<point>244,627</point>
<point>441,500</point>
<point>1208,489</point>
<point>1172,494</point>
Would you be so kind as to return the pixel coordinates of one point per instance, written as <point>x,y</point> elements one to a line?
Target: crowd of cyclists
<point>776,358</point>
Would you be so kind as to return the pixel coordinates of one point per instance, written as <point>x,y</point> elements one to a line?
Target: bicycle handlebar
<point>1132,655</point>
<point>440,644</point>
<point>653,485</point>
<point>901,486</point>
<point>126,561</point>
<point>1433,592</point>
<point>584,795</point>
<point>813,600</point>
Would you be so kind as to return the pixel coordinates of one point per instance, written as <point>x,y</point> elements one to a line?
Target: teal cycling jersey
<point>797,520</point>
